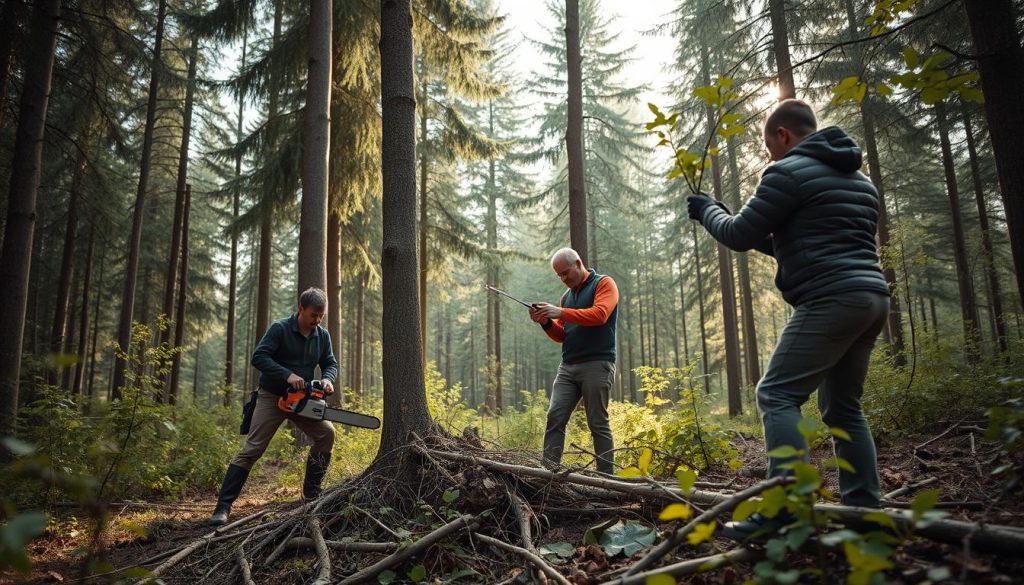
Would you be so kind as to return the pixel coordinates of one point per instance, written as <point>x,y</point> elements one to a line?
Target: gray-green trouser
<point>590,382</point>
<point>267,418</point>
<point>826,345</point>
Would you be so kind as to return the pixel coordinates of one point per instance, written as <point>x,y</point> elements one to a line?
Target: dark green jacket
<point>284,351</point>
<point>816,213</point>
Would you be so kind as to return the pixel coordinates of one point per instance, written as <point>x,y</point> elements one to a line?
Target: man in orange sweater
<point>584,323</point>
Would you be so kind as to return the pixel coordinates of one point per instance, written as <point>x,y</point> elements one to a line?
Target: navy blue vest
<point>583,343</point>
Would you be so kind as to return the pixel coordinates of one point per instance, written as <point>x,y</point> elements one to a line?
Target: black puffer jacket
<point>816,213</point>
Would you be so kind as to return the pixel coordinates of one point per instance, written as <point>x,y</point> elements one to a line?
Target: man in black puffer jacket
<point>816,213</point>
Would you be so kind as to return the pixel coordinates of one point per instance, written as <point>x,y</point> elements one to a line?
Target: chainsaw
<point>310,403</point>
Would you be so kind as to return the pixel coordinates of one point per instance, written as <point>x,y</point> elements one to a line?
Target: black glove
<point>695,205</point>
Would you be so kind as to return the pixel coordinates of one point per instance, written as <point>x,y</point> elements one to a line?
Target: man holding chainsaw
<point>584,323</point>
<point>286,357</point>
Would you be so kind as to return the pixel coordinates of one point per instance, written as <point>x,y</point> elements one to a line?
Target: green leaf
<point>883,89</point>
<point>772,500</point>
<point>840,463</point>
<point>775,550</point>
<point>654,109</point>
<point>744,510</point>
<point>881,518</point>
<point>923,502</point>
<point>460,574</point>
<point>594,533</point>
<point>450,495</point>
<point>417,573</point>
<point>701,532</point>
<point>846,83</point>
<point>686,478</point>
<point>559,550</point>
<point>838,536</point>
<point>645,460</point>
<point>839,433</point>
<point>17,447</point>
<point>910,57</point>
<point>676,511</point>
<point>627,538</point>
<point>386,577</point>
<point>662,579</point>
<point>785,452</point>
<point>632,471</point>
<point>796,537</point>
<point>807,478</point>
<point>939,574</point>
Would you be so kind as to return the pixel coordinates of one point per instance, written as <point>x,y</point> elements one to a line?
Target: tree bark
<point>124,327</point>
<point>424,256</point>
<point>9,19</point>
<point>83,324</point>
<point>574,133</point>
<point>780,44</point>
<point>16,257</point>
<point>67,263</point>
<point>994,289</point>
<point>229,352</point>
<point>968,304</point>
<point>1001,65</point>
<point>405,403</point>
<point>360,341</point>
<point>171,393</point>
<point>316,146</point>
<point>333,289</point>
<point>700,306</point>
<point>750,350</point>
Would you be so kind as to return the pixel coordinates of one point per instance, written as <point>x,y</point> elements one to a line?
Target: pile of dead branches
<point>452,509</point>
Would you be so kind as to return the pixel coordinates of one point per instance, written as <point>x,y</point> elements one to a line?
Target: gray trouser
<point>592,383</point>
<point>267,418</point>
<point>826,345</point>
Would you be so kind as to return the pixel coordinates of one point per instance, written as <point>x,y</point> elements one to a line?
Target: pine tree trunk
<point>229,352</point>
<point>574,133</point>
<point>424,256</point>
<point>1001,64</point>
<point>753,360</point>
<point>67,263</point>
<point>360,342</point>
<point>334,289</point>
<point>9,20</point>
<point>405,403</point>
<point>780,45</point>
<point>632,363</point>
<point>494,374</point>
<point>315,149</point>
<point>994,290</point>
<point>968,304</point>
<point>682,311</point>
<point>96,325</point>
<point>124,327</point>
<point>700,305</point>
<point>83,324</point>
<point>640,310</point>
<point>16,258</point>
<point>731,332</point>
<point>171,393</point>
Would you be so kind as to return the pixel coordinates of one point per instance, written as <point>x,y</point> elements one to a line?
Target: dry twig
<point>534,559</point>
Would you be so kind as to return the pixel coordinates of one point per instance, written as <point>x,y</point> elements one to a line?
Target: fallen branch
<point>269,560</point>
<point>660,493</point>
<point>940,435</point>
<point>670,543</point>
<point>466,521</point>
<point>710,563</point>
<point>243,566</point>
<point>187,550</point>
<point>534,559</point>
<point>910,486</point>
<point>374,547</point>
<point>241,522</point>
<point>323,577</point>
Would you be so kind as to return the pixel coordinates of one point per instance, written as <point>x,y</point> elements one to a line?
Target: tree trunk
<point>124,327</point>
<point>780,44</point>
<point>968,304</point>
<point>700,306</point>
<point>574,133</point>
<point>360,341</point>
<point>16,258</point>
<point>316,146</point>
<point>640,310</point>
<point>9,20</point>
<point>731,332</point>
<point>1001,64</point>
<point>494,374</point>
<point>334,289</point>
<point>171,392</point>
<point>405,402</point>
<point>753,360</point>
<point>96,325</point>
<point>994,290</point>
<point>632,364</point>
<point>229,352</point>
<point>682,311</point>
<point>83,324</point>
<point>67,263</point>
<point>424,257</point>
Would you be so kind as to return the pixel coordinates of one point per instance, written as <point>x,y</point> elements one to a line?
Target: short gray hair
<point>569,255</point>
<point>313,297</point>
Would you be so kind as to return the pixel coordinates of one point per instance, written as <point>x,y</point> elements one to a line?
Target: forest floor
<point>959,461</point>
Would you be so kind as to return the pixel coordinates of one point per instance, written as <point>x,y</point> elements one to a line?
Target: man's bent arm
<point>555,330</point>
<point>606,297</point>
<point>771,206</point>
<point>328,363</point>
<point>263,356</point>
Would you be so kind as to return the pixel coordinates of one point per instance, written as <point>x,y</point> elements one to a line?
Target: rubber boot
<point>234,479</point>
<point>316,468</point>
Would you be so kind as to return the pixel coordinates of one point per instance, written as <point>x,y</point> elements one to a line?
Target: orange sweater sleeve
<point>606,297</point>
